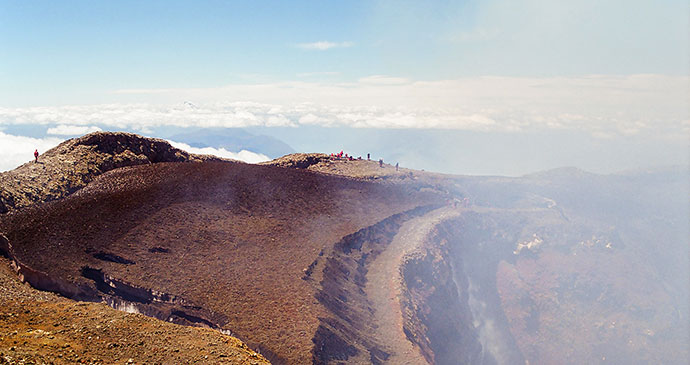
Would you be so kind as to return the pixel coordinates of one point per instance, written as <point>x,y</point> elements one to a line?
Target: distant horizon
<point>251,157</point>
<point>463,86</point>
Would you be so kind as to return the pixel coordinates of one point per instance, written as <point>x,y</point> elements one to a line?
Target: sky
<point>595,72</point>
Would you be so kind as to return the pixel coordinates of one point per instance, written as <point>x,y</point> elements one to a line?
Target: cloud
<point>324,45</point>
<point>383,80</point>
<point>16,150</point>
<point>650,105</point>
<point>72,130</point>
<point>244,155</point>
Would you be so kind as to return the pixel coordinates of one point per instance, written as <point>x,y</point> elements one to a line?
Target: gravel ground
<point>40,327</point>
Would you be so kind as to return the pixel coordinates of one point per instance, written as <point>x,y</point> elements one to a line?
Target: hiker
<point>368,157</point>
<point>396,166</point>
<point>381,162</point>
<point>35,155</point>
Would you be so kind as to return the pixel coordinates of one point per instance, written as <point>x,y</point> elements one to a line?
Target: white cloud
<point>244,155</point>
<point>652,105</point>
<point>383,80</point>
<point>72,130</point>
<point>324,45</point>
<point>16,150</point>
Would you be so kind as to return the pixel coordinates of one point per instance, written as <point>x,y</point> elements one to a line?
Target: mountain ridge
<point>75,162</point>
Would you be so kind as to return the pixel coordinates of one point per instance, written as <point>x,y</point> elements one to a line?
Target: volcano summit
<point>308,259</point>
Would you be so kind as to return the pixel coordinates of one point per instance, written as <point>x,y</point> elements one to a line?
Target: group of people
<point>344,156</point>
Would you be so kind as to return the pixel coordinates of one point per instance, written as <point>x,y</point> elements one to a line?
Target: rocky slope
<point>76,162</point>
<point>41,327</point>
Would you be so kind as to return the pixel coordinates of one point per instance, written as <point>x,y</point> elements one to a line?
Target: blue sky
<point>609,69</point>
<point>62,52</point>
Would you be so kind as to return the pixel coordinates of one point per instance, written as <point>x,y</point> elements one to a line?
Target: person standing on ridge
<point>396,166</point>
<point>35,155</point>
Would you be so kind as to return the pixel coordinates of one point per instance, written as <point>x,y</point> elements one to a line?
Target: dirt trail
<point>384,285</point>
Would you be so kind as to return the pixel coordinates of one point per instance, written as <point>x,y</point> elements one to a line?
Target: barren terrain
<point>41,327</point>
<point>219,244</point>
<point>311,259</point>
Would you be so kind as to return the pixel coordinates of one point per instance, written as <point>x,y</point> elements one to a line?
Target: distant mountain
<point>561,173</point>
<point>234,140</point>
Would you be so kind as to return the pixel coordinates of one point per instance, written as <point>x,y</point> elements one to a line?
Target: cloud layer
<point>71,130</point>
<point>603,106</point>
<point>244,155</point>
<point>16,150</point>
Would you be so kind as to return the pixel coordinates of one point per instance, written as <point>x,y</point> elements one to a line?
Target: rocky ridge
<point>74,163</point>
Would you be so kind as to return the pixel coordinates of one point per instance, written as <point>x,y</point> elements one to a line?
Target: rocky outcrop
<point>298,160</point>
<point>76,162</point>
